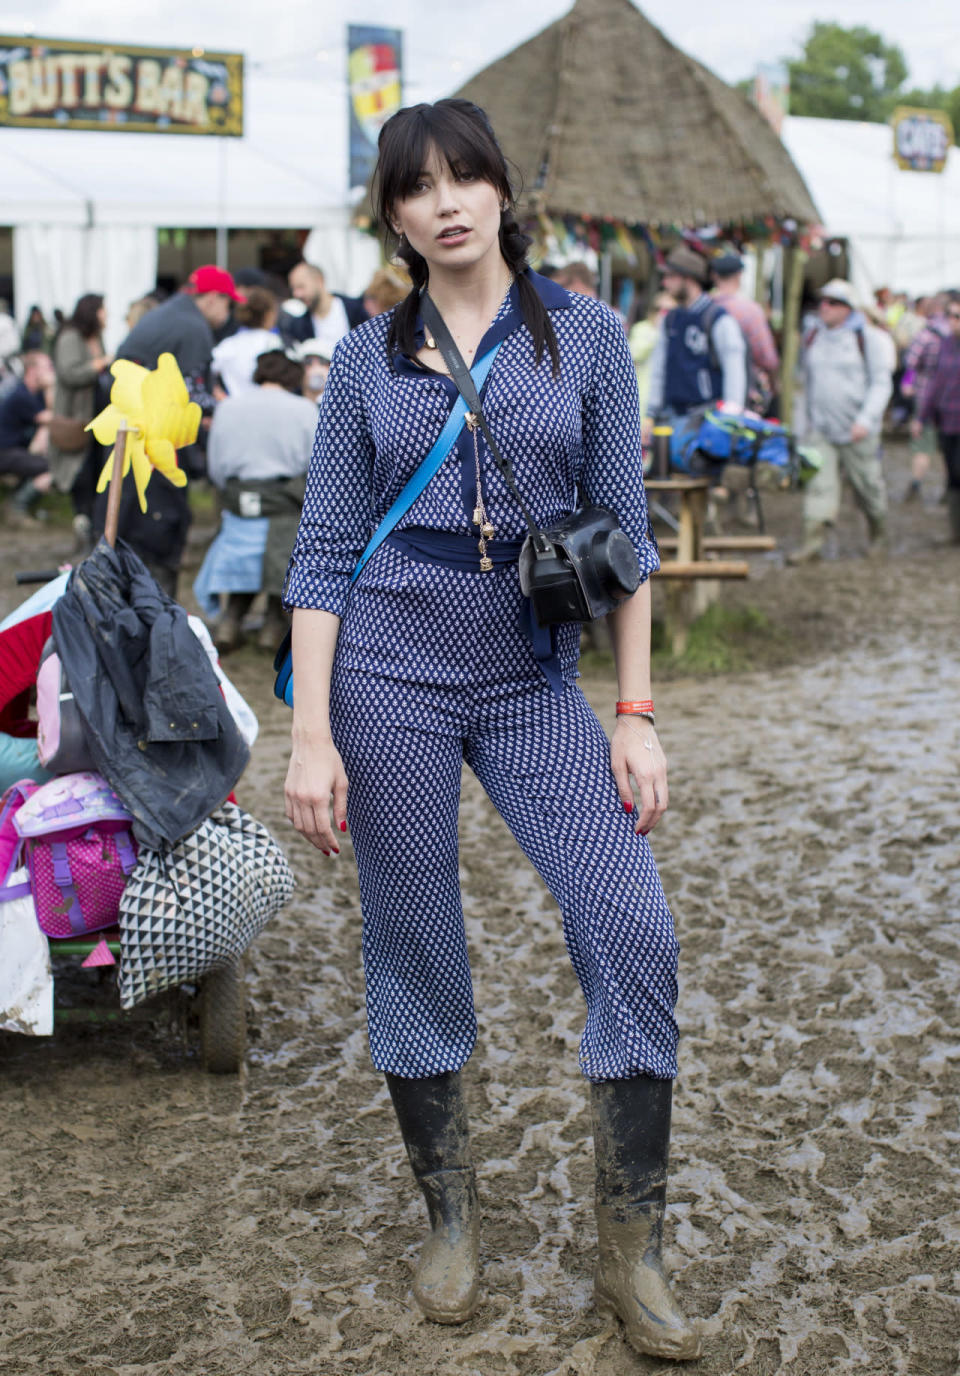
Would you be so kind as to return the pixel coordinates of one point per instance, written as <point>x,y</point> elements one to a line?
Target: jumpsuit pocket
<point>388,570</point>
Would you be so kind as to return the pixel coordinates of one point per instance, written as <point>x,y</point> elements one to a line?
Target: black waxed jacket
<point>157,725</point>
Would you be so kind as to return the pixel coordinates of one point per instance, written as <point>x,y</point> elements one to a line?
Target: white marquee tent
<point>85,207</point>
<point>903,227</point>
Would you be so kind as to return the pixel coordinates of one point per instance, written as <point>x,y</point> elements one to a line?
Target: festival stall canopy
<point>85,206</point>
<point>606,118</point>
<point>903,227</point>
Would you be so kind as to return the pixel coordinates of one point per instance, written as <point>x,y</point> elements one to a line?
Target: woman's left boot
<point>631,1134</point>
<point>432,1115</point>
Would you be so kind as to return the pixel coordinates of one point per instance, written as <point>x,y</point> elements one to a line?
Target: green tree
<point>846,74</point>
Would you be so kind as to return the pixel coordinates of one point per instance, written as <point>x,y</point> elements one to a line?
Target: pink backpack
<point>61,738</point>
<point>79,851</point>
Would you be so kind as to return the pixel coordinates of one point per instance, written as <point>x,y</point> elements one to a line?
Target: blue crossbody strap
<point>429,466</point>
<point>283,663</point>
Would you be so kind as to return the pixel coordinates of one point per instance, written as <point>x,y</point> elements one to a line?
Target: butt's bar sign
<point>51,83</point>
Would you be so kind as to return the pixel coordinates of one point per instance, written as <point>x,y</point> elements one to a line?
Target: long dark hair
<point>462,135</point>
<point>84,319</point>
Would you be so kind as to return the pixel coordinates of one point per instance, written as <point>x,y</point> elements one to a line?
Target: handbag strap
<point>469,393</point>
<point>432,461</point>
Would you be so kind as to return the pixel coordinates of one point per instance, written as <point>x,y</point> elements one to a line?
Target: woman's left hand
<point>635,751</point>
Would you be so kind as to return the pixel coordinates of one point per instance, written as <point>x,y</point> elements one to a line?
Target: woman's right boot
<point>432,1115</point>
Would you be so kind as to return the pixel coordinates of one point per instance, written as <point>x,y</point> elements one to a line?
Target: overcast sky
<point>447,40</point>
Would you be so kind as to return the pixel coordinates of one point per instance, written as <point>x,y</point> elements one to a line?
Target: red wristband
<point>635,709</point>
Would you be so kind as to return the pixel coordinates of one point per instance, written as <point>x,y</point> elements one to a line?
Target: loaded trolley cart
<point>157,891</point>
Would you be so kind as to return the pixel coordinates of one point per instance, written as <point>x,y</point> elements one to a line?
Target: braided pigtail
<point>403,327</point>
<point>513,245</point>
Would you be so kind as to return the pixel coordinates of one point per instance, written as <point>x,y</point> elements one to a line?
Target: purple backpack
<point>79,851</point>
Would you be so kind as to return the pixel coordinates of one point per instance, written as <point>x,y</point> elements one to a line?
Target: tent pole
<point>222,249</point>
<point>793,288</point>
<point>606,278</point>
<point>111,520</point>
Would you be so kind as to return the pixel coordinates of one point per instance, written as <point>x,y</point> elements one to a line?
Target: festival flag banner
<point>375,92</point>
<point>53,83</point>
<point>921,138</point>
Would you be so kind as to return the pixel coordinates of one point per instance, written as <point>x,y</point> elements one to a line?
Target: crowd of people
<point>255,352</point>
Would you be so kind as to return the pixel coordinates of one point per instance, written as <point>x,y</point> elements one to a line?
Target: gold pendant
<point>486,564</point>
<point>429,340</point>
<point>487,531</point>
<point>478,515</point>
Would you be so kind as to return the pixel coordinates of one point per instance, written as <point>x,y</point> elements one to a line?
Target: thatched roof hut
<point>606,118</point>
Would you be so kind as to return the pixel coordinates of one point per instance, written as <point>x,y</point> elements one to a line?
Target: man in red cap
<point>182,326</point>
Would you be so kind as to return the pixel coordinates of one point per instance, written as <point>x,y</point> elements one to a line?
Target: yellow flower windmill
<point>149,418</point>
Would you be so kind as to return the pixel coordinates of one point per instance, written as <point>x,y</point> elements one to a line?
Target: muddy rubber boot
<point>228,634</point>
<point>814,534</point>
<point>275,625</point>
<point>878,544</point>
<point>631,1135</point>
<point>953,514</point>
<point>432,1115</point>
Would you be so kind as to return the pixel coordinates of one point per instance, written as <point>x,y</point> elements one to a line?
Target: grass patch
<point>722,640</point>
<point>57,508</point>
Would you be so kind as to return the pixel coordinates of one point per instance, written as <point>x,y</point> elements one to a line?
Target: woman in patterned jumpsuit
<point>431,661</point>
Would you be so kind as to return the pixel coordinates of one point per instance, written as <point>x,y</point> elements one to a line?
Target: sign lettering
<point>48,83</point>
<point>921,139</point>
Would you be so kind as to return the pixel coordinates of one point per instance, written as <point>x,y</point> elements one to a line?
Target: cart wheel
<point>223,1019</point>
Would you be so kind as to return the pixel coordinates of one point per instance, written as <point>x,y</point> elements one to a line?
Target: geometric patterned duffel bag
<point>199,905</point>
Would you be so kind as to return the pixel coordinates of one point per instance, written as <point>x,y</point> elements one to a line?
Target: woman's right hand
<point>315,777</point>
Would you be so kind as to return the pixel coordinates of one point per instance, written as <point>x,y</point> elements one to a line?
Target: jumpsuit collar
<point>508,319</point>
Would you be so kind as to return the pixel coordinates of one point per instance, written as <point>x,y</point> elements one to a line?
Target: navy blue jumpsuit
<point>433,667</point>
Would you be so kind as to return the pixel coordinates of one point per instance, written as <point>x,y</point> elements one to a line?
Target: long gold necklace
<point>480,518</point>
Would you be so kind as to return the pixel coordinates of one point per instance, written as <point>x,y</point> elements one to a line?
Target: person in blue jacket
<point>427,665</point>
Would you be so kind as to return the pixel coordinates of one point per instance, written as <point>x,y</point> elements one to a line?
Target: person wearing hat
<point>316,365</point>
<point>752,319</point>
<point>847,384</point>
<point>701,356</point>
<point>182,326</point>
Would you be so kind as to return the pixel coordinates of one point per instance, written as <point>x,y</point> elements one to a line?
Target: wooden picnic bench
<point>692,575</point>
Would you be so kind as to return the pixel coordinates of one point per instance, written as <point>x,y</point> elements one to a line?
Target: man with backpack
<point>847,384</point>
<point>763,359</point>
<point>700,357</point>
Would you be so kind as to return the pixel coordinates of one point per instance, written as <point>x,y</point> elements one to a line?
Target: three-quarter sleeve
<point>612,451</point>
<point>337,517</point>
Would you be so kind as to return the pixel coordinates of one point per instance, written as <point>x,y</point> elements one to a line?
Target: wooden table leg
<point>693,509</point>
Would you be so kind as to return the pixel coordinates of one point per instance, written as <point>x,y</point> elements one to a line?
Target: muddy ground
<point>163,1222</point>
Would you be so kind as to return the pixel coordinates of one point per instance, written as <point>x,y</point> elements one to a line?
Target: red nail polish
<point>628,807</point>
<point>343,826</point>
<point>326,853</point>
<point>335,851</point>
<point>643,833</point>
